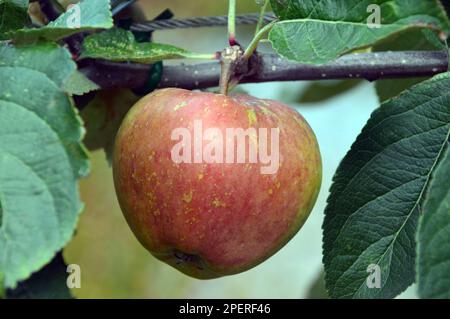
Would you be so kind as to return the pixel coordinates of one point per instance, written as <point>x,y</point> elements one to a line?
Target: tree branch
<point>270,67</point>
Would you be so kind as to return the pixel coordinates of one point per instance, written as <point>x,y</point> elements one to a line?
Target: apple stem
<point>233,56</point>
<point>228,61</point>
<point>232,22</point>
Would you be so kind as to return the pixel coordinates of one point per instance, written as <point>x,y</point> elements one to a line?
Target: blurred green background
<point>115,265</point>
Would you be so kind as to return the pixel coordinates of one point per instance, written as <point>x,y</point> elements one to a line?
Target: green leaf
<point>433,263</point>
<point>86,15</point>
<point>304,40</point>
<point>49,283</point>
<point>79,84</point>
<point>56,64</point>
<point>41,159</point>
<point>44,57</point>
<point>356,10</point>
<point>373,207</point>
<point>120,45</point>
<point>434,39</point>
<point>13,15</point>
<point>103,116</point>
<point>322,31</point>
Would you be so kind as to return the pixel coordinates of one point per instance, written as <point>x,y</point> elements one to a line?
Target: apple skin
<point>212,220</point>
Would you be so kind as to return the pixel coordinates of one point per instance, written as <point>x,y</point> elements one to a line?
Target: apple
<point>213,184</point>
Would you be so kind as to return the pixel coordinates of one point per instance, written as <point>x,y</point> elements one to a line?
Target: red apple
<point>199,202</point>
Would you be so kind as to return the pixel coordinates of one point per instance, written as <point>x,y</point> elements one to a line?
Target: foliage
<point>433,265</point>
<point>79,84</point>
<point>86,15</point>
<point>300,34</point>
<point>120,45</point>
<point>374,203</point>
<point>41,158</point>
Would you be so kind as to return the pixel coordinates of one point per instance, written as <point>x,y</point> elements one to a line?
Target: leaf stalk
<point>232,22</point>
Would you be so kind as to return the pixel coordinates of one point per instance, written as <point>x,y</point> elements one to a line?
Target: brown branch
<point>270,67</point>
